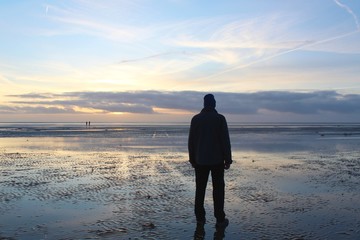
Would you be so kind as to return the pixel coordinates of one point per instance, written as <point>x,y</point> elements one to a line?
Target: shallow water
<point>137,183</point>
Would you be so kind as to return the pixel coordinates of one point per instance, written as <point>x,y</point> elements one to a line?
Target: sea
<point>63,129</point>
<point>166,130</point>
<point>261,137</point>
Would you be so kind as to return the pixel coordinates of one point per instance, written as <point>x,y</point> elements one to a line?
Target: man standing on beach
<point>210,151</point>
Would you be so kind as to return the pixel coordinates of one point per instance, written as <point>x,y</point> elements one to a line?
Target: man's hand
<point>227,166</point>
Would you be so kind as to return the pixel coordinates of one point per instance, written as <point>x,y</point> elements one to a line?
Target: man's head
<point>209,101</point>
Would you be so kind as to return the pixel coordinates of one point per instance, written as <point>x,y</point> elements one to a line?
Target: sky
<point>154,60</point>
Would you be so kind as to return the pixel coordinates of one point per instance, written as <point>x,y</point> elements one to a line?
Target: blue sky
<point>297,55</point>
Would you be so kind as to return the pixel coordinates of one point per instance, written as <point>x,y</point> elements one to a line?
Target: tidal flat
<point>141,186</point>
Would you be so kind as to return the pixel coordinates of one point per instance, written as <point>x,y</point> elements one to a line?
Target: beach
<point>288,181</point>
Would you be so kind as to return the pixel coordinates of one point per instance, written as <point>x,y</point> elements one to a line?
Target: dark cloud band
<point>148,101</point>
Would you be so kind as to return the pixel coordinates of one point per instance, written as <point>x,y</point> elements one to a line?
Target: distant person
<point>210,151</point>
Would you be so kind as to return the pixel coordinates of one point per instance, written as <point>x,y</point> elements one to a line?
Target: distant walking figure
<point>210,151</point>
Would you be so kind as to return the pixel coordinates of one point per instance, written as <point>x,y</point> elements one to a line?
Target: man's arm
<point>226,144</point>
<point>191,145</point>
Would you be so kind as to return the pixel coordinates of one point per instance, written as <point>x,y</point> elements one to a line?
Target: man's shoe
<point>199,232</point>
<point>222,224</point>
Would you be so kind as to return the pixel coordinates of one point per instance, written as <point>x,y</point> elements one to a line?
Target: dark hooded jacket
<point>209,141</point>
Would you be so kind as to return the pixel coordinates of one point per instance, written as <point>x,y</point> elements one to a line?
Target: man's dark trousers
<point>201,176</point>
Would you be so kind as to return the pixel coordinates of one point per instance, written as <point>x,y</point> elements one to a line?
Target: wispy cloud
<point>256,33</point>
<point>304,45</point>
<point>350,11</point>
<point>85,26</point>
<point>155,56</point>
<point>223,41</point>
<point>84,17</point>
<point>5,80</point>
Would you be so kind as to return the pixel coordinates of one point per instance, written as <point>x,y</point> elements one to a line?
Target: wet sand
<point>52,188</point>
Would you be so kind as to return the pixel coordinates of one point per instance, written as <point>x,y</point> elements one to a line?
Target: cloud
<point>82,17</point>
<point>34,95</point>
<point>34,110</point>
<point>4,79</point>
<point>154,56</point>
<point>306,45</point>
<point>350,11</point>
<point>101,29</point>
<point>317,102</point>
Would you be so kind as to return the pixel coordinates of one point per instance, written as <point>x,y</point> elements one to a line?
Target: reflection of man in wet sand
<point>210,151</point>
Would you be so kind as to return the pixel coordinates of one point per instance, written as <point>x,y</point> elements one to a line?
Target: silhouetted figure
<point>210,151</point>
<point>86,124</point>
